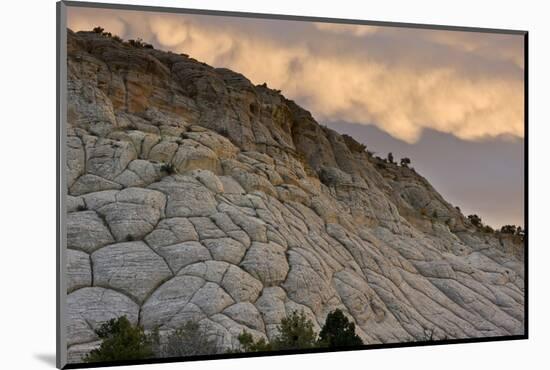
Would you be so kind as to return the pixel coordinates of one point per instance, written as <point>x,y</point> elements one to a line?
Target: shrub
<point>338,331</point>
<point>121,341</point>
<point>405,162</point>
<point>138,43</point>
<point>353,144</point>
<point>475,220</point>
<point>295,332</point>
<point>98,30</point>
<point>508,229</point>
<point>169,168</point>
<point>487,229</point>
<point>520,231</point>
<point>249,345</point>
<point>190,340</point>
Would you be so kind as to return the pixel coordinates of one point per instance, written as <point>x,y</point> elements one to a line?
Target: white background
<point>27,207</point>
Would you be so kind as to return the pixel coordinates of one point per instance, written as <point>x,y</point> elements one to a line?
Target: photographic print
<point>241,185</point>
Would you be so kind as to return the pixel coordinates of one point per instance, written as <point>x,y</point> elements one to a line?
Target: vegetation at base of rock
<point>121,341</point>
<point>248,344</point>
<point>338,331</point>
<point>190,340</point>
<point>296,332</point>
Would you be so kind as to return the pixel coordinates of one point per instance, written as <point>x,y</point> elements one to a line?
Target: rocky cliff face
<point>195,195</point>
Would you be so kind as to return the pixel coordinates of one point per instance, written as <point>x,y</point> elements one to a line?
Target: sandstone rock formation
<point>195,195</point>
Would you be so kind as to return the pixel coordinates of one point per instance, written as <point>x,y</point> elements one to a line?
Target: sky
<point>452,101</point>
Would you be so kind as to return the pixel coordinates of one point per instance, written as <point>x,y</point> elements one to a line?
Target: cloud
<point>354,30</point>
<point>330,70</point>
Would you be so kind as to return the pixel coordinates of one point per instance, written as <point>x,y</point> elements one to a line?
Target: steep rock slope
<point>195,195</point>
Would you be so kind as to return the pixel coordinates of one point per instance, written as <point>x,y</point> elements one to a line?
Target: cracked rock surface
<point>195,195</point>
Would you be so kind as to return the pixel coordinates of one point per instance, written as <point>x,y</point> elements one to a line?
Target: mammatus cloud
<point>354,30</point>
<point>350,84</point>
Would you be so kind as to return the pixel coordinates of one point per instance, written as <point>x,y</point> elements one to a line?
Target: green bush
<point>121,341</point>
<point>295,332</point>
<point>338,331</point>
<point>249,345</point>
<point>190,340</point>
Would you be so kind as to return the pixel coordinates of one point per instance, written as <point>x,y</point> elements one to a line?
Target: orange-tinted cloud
<point>360,74</point>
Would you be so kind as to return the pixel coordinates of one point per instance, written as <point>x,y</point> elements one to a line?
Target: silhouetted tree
<point>405,162</point>
<point>508,229</point>
<point>390,157</point>
<point>338,331</point>
<point>487,229</point>
<point>98,29</point>
<point>520,231</point>
<point>475,220</point>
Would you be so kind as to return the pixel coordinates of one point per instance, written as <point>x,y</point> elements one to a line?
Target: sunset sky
<point>451,101</point>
